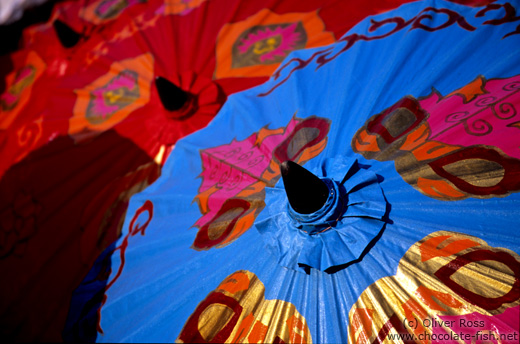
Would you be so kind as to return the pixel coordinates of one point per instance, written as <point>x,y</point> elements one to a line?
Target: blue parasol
<point>410,120</point>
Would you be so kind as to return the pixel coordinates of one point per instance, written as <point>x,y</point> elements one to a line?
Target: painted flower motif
<point>235,175</point>
<point>111,98</point>
<point>451,147</point>
<point>121,91</point>
<point>255,46</point>
<point>271,44</point>
<point>24,78</point>
<point>456,287</point>
<point>335,235</point>
<point>109,9</point>
<point>240,303</point>
<point>102,11</point>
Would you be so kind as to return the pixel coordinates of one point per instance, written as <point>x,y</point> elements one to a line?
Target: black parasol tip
<point>172,96</point>
<point>67,36</point>
<point>306,192</point>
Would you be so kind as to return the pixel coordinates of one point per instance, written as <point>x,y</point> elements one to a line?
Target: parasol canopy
<point>410,120</point>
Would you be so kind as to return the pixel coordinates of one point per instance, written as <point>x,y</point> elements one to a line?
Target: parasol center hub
<point>339,230</point>
<point>178,103</point>
<point>188,108</point>
<point>327,216</point>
